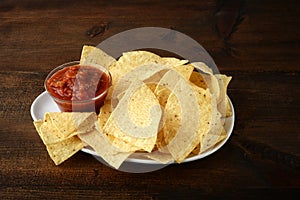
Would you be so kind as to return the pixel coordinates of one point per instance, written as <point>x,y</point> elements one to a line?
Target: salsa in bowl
<point>78,88</point>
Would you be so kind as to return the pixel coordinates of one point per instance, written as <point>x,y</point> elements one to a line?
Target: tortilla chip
<point>135,59</point>
<point>48,132</point>
<point>206,102</point>
<point>173,62</point>
<point>160,157</point>
<point>59,149</point>
<point>94,55</point>
<point>222,136</point>
<point>184,70</point>
<point>59,152</point>
<point>197,79</point>
<point>138,112</point>
<point>229,110</point>
<point>134,120</point>
<point>202,67</point>
<point>103,117</point>
<point>196,151</point>
<point>223,81</point>
<point>210,80</point>
<point>104,114</point>
<point>166,85</point>
<point>102,145</point>
<point>211,138</point>
<point>182,141</point>
<point>143,73</point>
<point>71,123</point>
<point>129,61</point>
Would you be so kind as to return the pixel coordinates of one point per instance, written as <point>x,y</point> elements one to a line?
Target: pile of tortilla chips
<point>164,108</point>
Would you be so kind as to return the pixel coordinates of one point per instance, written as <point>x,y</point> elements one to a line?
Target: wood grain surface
<point>256,42</point>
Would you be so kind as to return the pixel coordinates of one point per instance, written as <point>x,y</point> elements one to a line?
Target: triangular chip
<point>202,67</point>
<point>143,73</point>
<point>102,145</point>
<point>210,80</point>
<point>211,120</point>
<point>59,149</point>
<point>48,132</point>
<point>59,152</point>
<point>160,157</point>
<point>184,70</point>
<point>181,109</point>
<point>136,119</point>
<point>94,55</point>
<point>173,62</point>
<point>223,81</point>
<point>129,61</point>
<point>228,106</point>
<point>213,136</point>
<point>197,79</point>
<point>104,114</point>
<point>72,123</point>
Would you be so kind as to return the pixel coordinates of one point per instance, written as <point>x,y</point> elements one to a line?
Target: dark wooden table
<point>256,42</point>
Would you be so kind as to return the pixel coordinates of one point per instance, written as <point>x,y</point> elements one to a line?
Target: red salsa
<point>79,88</point>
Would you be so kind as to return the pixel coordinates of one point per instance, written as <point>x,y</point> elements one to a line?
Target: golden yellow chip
<point>197,79</point>
<point>103,146</point>
<point>134,59</point>
<point>181,108</point>
<point>222,136</point>
<point>202,67</point>
<point>166,85</point>
<point>142,73</point>
<point>196,151</point>
<point>184,70</point>
<point>210,80</point>
<point>105,112</point>
<point>94,55</point>
<point>207,105</point>
<point>129,61</point>
<point>136,119</point>
<point>173,118</point>
<point>48,132</point>
<point>71,123</point>
<point>173,62</point>
<point>223,81</point>
<point>163,158</point>
<point>229,110</point>
<point>59,152</point>
<point>212,137</point>
<point>59,148</point>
